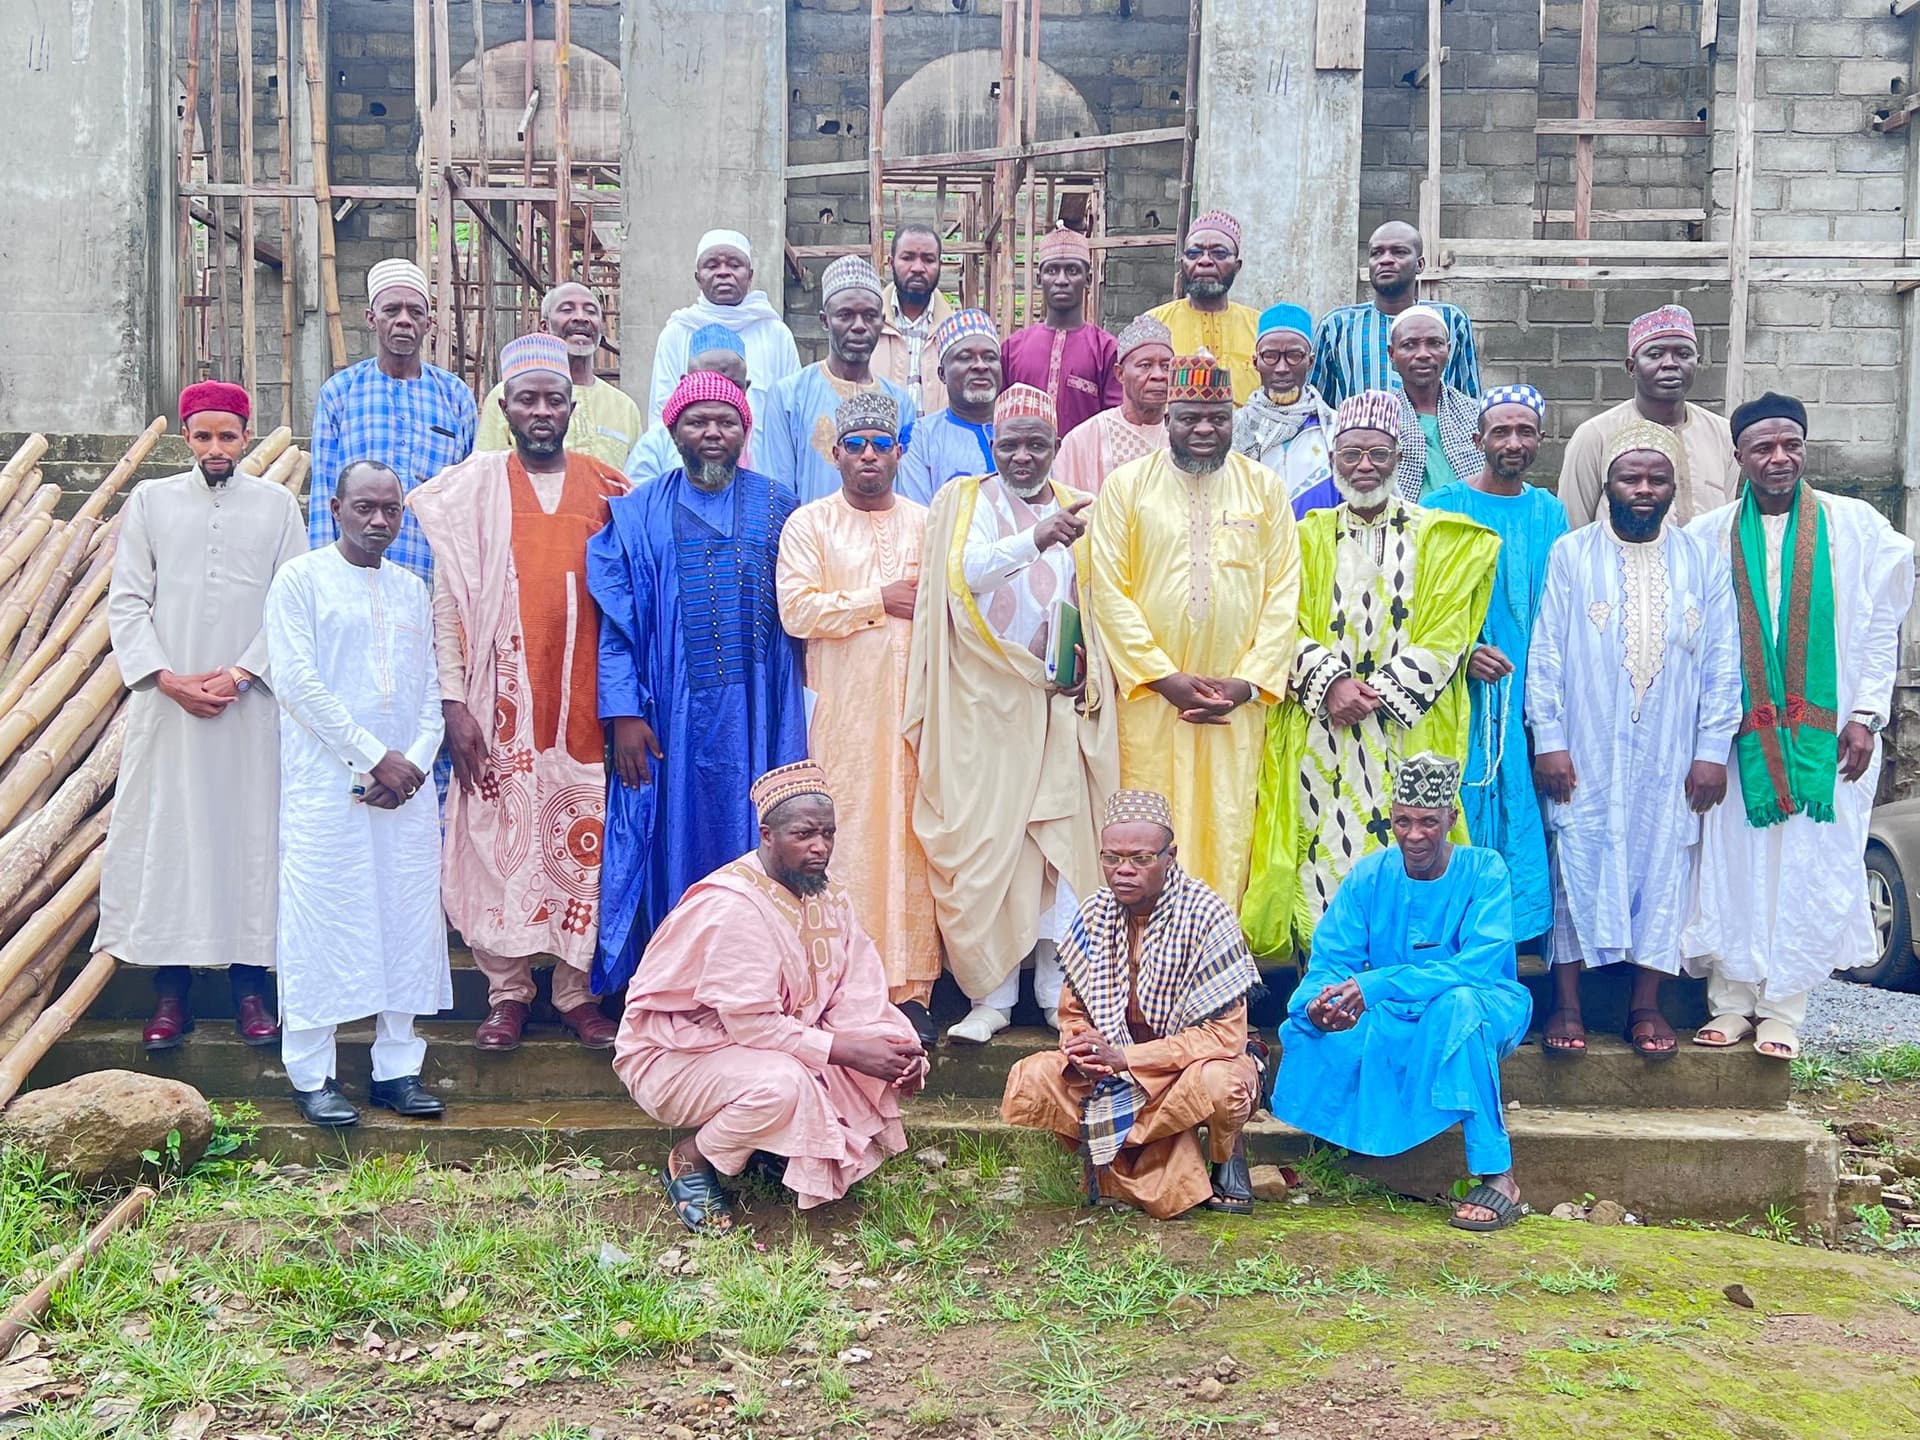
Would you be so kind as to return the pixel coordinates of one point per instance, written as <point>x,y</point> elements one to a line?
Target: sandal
<point>1232,1183</point>
<point>696,1197</point>
<point>1731,1029</point>
<point>1506,1211</point>
<point>1655,1028</point>
<point>1777,1033</point>
<point>1567,1029</point>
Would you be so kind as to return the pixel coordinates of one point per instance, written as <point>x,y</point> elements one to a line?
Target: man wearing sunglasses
<point>849,569</point>
<point>1203,318</point>
<point>1153,1031</point>
<point>1392,599</point>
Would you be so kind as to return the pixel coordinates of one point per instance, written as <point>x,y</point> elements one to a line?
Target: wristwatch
<point>1869,719</point>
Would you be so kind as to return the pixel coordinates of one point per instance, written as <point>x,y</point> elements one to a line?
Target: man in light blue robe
<point>797,448</point>
<point>1497,798</point>
<point>958,440</point>
<point>698,681</point>
<point>1398,1028</point>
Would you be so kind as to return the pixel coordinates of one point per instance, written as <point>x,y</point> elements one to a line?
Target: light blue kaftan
<point>1497,798</point>
<point>944,448</point>
<point>690,641</point>
<point>797,446</point>
<point>1435,962</point>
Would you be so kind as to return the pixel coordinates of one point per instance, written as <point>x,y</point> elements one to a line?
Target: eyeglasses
<point>1218,253</point>
<point>1138,859</point>
<point>857,444</point>
<point>1381,455</point>
<point>1294,357</point>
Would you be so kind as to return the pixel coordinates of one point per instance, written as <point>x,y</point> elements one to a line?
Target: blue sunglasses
<point>857,444</point>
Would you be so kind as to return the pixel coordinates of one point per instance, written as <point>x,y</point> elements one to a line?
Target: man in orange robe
<point>517,638</point>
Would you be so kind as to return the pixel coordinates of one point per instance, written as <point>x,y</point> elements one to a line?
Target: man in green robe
<point>1392,597</point>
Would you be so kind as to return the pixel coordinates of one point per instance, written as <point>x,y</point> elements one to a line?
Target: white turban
<point>714,239</point>
<point>396,272</point>
<point>1426,312</point>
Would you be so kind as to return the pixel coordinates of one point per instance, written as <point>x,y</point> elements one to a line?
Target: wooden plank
<point>249,318</point>
<point>1621,217</point>
<point>876,134</point>
<point>962,159</point>
<point>184,235</point>
<point>322,196</point>
<point>423,110</point>
<point>1340,35</point>
<point>1430,188</point>
<point>563,138</point>
<point>473,197</point>
<point>283,125</point>
<point>448,294</point>
<point>484,251</point>
<point>1740,238</point>
<point>1901,7</point>
<point>1775,274</point>
<point>1585,101</point>
<point>1709,23</point>
<point>1620,127</point>
<point>264,251</point>
<point>217,168</point>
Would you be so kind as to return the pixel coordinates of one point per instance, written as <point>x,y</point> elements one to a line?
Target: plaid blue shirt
<point>418,427</point>
<point>1350,352</point>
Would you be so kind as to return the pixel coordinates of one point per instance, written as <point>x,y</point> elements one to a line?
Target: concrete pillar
<point>703,145</point>
<point>80,219</point>
<point>1280,149</point>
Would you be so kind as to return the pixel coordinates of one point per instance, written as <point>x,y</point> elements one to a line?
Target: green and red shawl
<point>1788,748</point>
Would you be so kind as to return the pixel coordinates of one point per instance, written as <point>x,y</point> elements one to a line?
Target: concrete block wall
<point>1825,68</point>
<point>1127,58</point>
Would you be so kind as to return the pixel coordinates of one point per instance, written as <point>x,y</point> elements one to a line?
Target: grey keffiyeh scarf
<point>1264,422</point>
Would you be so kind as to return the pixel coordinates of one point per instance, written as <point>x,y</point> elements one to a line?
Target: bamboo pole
<point>28,538</point>
<point>77,755</point>
<point>278,472</point>
<point>243,92</point>
<point>33,1305</point>
<point>24,851</point>
<point>217,164</point>
<point>17,505</point>
<point>54,1021</point>
<point>28,941</point>
<point>60,868</point>
<point>40,618</point>
<point>23,1000</point>
<point>20,466</point>
<point>86,629</point>
<point>51,690</point>
<point>100,550</point>
<point>448,293</point>
<point>37,579</point>
<point>184,231</point>
<point>563,140</point>
<point>142,446</point>
<point>37,765</point>
<point>322,192</point>
<point>297,481</point>
<point>283,124</point>
<point>269,449</point>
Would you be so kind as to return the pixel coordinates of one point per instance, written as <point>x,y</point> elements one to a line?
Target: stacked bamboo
<point>63,724</point>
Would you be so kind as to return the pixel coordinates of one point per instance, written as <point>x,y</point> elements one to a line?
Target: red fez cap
<point>215,395</point>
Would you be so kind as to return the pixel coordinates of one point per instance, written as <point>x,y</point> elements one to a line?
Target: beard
<point>1630,527</point>
<point>1208,289</point>
<point>917,292</point>
<point>712,476</point>
<point>1509,467</point>
<point>1394,289</point>
<point>1196,465</point>
<point>540,449</point>
<point>800,882</point>
<point>1366,502</point>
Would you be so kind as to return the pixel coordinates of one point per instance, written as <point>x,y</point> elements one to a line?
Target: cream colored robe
<point>192,860</point>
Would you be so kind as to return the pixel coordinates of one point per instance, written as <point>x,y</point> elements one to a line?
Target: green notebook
<point>1063,622</point>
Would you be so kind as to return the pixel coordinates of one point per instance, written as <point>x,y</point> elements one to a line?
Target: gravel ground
<point>1846,1019</point>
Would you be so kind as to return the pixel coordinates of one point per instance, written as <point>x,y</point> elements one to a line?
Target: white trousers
<point>1740,997</point>
<point>1047,981</point>
<point>308,1054</point>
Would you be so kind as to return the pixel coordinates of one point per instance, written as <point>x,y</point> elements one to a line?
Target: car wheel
<point>1897,967</point>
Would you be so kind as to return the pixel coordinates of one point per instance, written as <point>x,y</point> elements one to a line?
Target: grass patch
<point>1885,1065</point>
<point>1578,1279</point>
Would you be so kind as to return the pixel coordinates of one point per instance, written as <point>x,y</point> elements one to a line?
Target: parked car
<point>1893,872</point>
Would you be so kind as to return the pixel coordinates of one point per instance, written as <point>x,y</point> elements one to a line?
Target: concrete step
<point>1661,1164</point>
<point>549,1066</point>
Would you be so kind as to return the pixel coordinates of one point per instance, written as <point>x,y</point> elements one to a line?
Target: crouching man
<point>1398,1028</point>
<point>1153,1030</point>
<point>759,1014</point>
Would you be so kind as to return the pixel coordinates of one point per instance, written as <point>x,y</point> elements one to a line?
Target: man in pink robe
<point>760,1016</point>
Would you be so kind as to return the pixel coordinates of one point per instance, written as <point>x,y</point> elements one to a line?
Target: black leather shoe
<point>326,1107</point>
<point>407,1096</point>
<point>1232,1182</point>
<point>922,1022</point>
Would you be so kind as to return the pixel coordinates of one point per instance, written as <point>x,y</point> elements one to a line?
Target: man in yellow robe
<point>1016,760</point>
<point>1392,597</point>
<point>849,567</point>
<point>1204,318</point>
<point>1196,575</point>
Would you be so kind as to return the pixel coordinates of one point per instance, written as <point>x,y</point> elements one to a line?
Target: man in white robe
<point>1633,695</point>
<point>361,928</point>
<point>188,877</point>
<point>1783,889</point>
<point>723,271</point>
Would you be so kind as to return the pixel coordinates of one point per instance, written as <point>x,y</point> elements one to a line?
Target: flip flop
<point>1562,1052</point>
<point>1506,1211</point>
<point>1732,1029</point>
<point>699,1202</point>
<point>1642,1045</point>
<point>1776,1032</point>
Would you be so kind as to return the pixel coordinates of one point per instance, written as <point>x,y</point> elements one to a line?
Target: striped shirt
<point>417,427</point>
<point>1350,352</point>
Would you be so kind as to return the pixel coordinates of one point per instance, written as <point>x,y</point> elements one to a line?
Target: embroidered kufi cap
<point>866,410</point>
<point>1216,220</point>
<point>849,272</point>
<point>789,782</point>
<point>1514,395</point>
<point>1143,331</point>
<point>1024,401</point>
<point>1199,378</point>
<point>1667,323</point>
<point>1126,807</point>
<point>530,353</point>
<point>1065,243</point>
<point>1427,781</point>
<point>1368,410</point>
<point>715,337</point>
<point>397,271</point>
<point>699,385</point>
<point>1645,435</point>
<point>958,326</point>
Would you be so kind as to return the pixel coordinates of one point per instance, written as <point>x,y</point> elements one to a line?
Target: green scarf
<point>1788,746</point>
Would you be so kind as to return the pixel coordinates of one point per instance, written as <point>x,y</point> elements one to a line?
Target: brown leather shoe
<point>502,1028</point>
<point>170,1023</point>
<point>587,1025</point>
<point>254,1021</point>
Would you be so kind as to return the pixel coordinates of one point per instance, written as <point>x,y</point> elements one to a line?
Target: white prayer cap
<point>396,272</point>
<point>714,239</point>
<point>1425,312</point>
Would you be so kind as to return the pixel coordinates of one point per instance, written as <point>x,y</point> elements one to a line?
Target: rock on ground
<point>96,1127</point>
<point>1269,1183</point>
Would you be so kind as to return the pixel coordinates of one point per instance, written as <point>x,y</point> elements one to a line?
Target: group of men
<point>1143,661</point>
